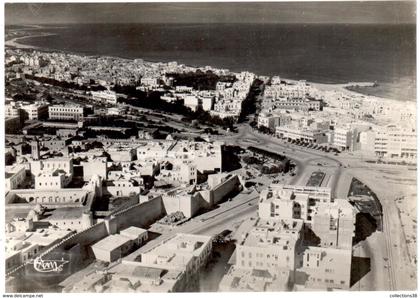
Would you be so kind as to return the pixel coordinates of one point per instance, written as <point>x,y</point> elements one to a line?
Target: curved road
<point>249,137</point>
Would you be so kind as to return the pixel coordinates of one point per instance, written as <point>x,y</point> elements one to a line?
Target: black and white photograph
<point>161,147</point>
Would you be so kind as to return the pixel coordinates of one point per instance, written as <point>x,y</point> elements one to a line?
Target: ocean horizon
<point>320,53</point>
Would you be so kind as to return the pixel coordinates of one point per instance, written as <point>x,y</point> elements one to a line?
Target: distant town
<point>161,177</point>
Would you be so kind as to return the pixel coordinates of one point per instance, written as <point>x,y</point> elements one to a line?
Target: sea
<point>322,53</point>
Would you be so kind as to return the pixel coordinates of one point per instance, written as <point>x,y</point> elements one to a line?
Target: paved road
<point>386,250</point>
<point>303,157</point>
<point>210,223</point>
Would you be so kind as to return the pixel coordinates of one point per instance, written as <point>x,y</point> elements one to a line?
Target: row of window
<point>51,199</point>
<point>331,281</point>
<point>64,223</point>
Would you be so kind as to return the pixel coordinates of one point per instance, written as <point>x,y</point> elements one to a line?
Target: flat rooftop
<point>282,233</point>
<point>133,232</point>
<point>65,213</point>
<point>136,272</point>
<point>111,242</point>
<point>177,251</point>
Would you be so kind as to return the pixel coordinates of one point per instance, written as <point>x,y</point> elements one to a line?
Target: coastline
<point>338,87</point>
<point>14,42</point>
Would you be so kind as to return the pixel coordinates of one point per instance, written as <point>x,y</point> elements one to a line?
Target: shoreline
<point>337,87</point>
<point>14,42</point>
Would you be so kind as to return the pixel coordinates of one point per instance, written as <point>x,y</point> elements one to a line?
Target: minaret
<point>35,150</point>
<point>87,219</point>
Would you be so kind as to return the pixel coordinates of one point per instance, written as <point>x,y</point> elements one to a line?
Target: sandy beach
<point>14,42</point>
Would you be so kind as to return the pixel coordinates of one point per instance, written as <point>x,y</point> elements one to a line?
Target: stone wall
<point>225,188</point>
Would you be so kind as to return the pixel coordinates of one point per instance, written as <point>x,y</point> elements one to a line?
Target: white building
<point>327,269</point>
<point>192,102</point>
<point>36,111</point>
<point>15,176</point>
<point>334,224</point>
<point>112,248</point>
<point>183,89</point>
<point>302,133</point>
<point>51,181</point>
<point>207,102</point>
<point>149,82</point>
<point>266,257</point>
<point>104,97</point>
<point>391,141</point>
<point>12,109</point>
<point>274,254</point>
<point>291,202</point>
<point>272,120</point>
<point>344,138</point>
<point>205,156</point>
<point>51,165</point>
<point>180,171</point>
<point>94,166</point>
<point>22,247</point>
<point>172,266</point>
<point>123,187</point>
<point>138,235</point>
<point>66,112</point>
<point>270,244</point>
<point>119,152</point>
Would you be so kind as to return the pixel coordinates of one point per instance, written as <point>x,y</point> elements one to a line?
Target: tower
<point>35,150</point>
<point>87,219</point>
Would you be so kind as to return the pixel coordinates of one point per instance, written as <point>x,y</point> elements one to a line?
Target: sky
<point>374,12</point>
